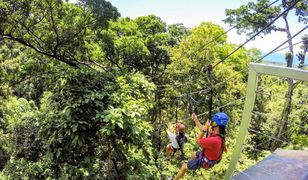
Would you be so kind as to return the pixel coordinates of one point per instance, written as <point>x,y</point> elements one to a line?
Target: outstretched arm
<point>202,128</point>
<point>201,134</point>
<point>171,128</point>
<point>198,124</point>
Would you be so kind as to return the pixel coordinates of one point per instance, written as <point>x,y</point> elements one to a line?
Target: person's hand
<point>193,116</point>
<point>171,128</point>
<point>207,125</point>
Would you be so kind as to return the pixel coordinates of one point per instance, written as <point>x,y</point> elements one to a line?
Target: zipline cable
<point>259,132</point>
<point>215,38</point>
<point>259,89</point>
<point>236,100</point>
<point>217,108</point>
<point>285,11</point>
<point>209,71</point>
<point>260,59</point>
<point>276,50</point>
<point>270,140</point>
<point>207,90</point>
<point>191,106</point>
<point>288,46</point>
<point>279,97</point>
<point>176,109</point>
<point>218,84</point>
<point>264,115</point>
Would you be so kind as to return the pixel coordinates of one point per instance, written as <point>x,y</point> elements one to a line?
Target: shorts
<point>195,163</point>
<point>174,149</point>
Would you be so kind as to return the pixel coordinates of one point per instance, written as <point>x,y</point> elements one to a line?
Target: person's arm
<point>202,128</point>
<point>200,135</point>
<point>199,125</point>
<point>171,128</point>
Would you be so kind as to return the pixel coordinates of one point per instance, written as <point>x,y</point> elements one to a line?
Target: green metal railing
<point>254,71</point>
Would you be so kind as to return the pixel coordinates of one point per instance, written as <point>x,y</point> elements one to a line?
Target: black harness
<point>181,139</point>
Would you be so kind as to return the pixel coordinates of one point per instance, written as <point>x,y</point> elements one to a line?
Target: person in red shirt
<point>212,146</point>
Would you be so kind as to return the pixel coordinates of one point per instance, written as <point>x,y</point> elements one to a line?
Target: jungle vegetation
<point>88,94</point>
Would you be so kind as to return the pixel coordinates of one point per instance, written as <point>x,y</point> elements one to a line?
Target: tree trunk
<point>301,56</point>
<point>281,131</point>
<point>156,120</point>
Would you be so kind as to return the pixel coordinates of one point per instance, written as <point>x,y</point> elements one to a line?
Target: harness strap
<point>209,70</point>
<point>178,141</point>
<point>176,110</point>
<point>206,163</point>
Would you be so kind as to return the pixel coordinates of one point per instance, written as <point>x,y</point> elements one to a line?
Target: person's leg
<point>168,150</point>
<point>182,154</point>
<point>193,155</point>
<point>181,172</point>
<point>193,164</point>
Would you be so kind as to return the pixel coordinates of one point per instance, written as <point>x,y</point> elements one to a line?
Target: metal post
<point>254,70</point>
<point>249,103</point>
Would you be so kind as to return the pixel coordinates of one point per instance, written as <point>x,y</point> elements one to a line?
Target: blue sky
<point>179,11</point>
<point>191,12</point>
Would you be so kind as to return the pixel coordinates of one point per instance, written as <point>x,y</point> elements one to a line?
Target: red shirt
<point>211,146</point>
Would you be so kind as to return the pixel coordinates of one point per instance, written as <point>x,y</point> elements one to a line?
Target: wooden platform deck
<point>281,165</point>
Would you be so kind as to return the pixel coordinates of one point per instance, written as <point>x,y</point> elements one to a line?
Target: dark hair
<point>222,131</point>
<point>222,134</point>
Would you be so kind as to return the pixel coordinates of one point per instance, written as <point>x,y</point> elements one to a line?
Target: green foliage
<point>42,26</point>
<point>195,53</point>
<point>252,17</point>
<point>17,168</point>
<point>86,94</point>
<point>84,113</point>
<point>103,11</point>
<point>70,116</point>
<point>177,32</point>
<point>299,119</point>
<point>132,47</point>
<point>20,138</point>
<point>129,125</point>
<point>151,25</point>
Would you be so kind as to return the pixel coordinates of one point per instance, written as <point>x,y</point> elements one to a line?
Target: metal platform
<point>281,165</point>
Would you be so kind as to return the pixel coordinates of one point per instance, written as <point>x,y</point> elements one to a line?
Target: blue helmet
<point>221,119</point>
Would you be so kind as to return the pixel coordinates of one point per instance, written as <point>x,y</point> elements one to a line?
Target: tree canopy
<point>88,94</point>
